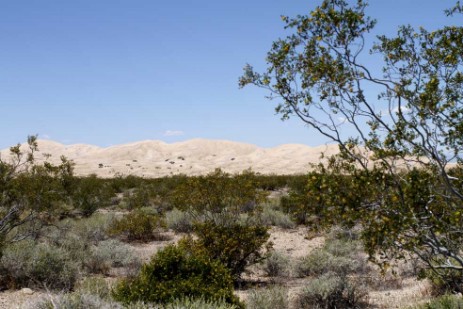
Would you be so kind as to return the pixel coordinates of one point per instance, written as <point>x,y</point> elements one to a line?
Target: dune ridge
<point>154,158</point>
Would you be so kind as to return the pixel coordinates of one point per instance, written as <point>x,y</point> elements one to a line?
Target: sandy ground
<point>292,242</point>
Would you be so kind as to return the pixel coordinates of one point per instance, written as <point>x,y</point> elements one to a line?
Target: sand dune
<point>192,157</point>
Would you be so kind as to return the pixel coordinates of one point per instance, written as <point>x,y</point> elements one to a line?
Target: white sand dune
<point>192,157</point>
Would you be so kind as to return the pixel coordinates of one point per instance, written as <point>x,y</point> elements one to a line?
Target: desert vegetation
<point>211,241</point>
<point>380,222</point>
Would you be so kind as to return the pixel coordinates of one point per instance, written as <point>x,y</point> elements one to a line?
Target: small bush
<point>275,297</point>
<point>443,302</point>
<point>276,218</point>
<point>138,226</point>
<point>175,272</point>
<point>179,221</point>
<point>39,265</point>
<point>94,228</point>
<point>96,286</point>
<point>338,256</point>
<point>330,291</point>
<point>321,261</point>
<point>74,300</point>
<point>235,245</point>
<point>107,254</point>
<point>276,264</point>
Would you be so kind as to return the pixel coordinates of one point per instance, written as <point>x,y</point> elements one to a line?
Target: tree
<point>30,193</point>
<point>407,141</point>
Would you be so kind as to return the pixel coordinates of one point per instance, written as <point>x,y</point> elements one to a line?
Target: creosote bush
<point>236,245</point>
<point>176,272</point>
<point>138,225</point>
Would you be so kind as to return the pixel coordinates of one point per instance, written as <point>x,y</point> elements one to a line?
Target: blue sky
<point>107,72</point>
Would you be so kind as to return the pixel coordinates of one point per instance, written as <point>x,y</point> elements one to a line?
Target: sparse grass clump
<point>275,297</point>
<point>276,264</point>
<point>330,291</point>
<point>442,302</point>
<point>274,217</point>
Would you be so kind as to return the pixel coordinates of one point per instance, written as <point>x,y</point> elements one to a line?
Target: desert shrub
<point>276,264</point>
<point>276,218</point>
<point>275,297</point>
<point>448,281</point>
<point>330,291</point>
<point>176,272</point>
<point>321,261</point>
<point>75,300</point>
<point>141,196</point>
<point>39,265</point>
<point>185,303</point>
<point>340,256</point>
<point>179,221</point>
<point>218,192</point>
<point>138,226</point>
<point>107,254</point>
<point>94,285</point>
<point>442,302</point>
<point>234,244</point>
<point>90,193</point>
<point>93,229</point>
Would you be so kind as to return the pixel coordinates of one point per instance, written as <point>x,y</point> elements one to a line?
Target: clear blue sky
<point>107,72</point>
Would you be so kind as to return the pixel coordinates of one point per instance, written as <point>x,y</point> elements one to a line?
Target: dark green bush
<point>139,226</point>
<point>176,272</point>
<point>87,194</point>
<point>234,244</point>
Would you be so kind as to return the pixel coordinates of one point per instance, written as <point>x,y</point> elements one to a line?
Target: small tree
<point>405,138</point>
<point>29,193</point>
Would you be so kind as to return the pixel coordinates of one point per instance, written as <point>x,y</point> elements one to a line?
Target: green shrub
<point>330,291</point>
<point>138,226</point>
<point>443,302</point>
<point>138,197</point>
<point>39,265</point>
<point>90,193</point>
<point>276,264</point>
<point>179,221</point>
<point>175,272</point>
<point>275,297</point>
<point>235,245</point>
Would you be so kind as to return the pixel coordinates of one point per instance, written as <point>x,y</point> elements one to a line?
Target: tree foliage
<point>399,167</point>
<point>30,193</point>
